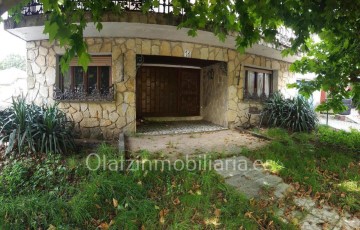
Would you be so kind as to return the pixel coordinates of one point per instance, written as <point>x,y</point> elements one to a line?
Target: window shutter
<point>95,61</point>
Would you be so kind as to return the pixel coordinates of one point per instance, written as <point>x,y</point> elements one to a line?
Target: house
<point>144,66</point>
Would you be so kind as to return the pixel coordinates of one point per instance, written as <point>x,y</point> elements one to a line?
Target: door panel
<point>163,91</point>
<point>189,100</point>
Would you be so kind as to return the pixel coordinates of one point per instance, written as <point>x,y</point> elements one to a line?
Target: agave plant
<point>295,114</point>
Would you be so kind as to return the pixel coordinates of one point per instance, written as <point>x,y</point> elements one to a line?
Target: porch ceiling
<point>152,59</point>
<point>152,31</point>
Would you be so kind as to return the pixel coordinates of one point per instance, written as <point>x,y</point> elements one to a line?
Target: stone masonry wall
<point>214,94</point>
<point>107,120</point>
<point>238,107</point>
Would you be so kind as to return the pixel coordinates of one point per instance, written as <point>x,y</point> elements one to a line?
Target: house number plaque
<point>187,53</point>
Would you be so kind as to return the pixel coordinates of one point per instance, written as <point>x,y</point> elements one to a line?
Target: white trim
<point>172,66</point>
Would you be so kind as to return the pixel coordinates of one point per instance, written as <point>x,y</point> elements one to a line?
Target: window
<point>258,83</point>
<point>94,84</point>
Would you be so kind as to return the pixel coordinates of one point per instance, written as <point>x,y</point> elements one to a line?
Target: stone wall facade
<point>214,94</point>
<point>222,98</point>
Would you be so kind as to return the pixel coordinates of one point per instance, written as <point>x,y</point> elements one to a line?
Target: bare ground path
<point>227,142</point>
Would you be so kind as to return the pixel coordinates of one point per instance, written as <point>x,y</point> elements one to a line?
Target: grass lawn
<point>324,165</point>
<point>53,191</point>
<point>62,193</point>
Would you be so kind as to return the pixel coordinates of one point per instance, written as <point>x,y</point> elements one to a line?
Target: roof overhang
<point>32,29</point>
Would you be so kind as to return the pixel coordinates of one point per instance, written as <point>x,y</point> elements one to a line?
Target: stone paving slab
<point>341,125</point>
<point>306,203</point>
<point>327,214</point>
<point>311,222</point>
<point>348,224</point>
<point>248,177</point>
<point>251,180</point>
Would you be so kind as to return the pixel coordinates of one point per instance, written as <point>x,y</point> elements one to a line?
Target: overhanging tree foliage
<point>334,60</point>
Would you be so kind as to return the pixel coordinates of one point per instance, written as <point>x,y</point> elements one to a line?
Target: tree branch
<point>6,5</point>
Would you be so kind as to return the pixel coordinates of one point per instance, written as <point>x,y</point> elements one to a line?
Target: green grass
<point>162,199</point>
<point>68,196</point>
<point>328,171</point>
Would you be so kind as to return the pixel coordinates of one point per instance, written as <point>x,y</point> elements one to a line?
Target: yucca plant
<point>52,132</point>
<point>295,114</point>
<point>31,128</point>
<point>15,129</point>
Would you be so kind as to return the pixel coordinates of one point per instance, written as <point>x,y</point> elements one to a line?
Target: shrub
<point>31,128</point>
<point>295,114</point>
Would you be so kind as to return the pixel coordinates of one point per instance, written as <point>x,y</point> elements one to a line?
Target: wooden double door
<point>167,91</point>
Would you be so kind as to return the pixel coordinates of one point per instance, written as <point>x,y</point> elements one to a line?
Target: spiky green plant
<point>14,126</point>
<point>53,132</point>
<point>31,128</point>
<point>295,114</point>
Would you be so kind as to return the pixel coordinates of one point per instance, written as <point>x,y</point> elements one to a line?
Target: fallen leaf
<point>51,227</point>
<point>176,201</point>
<point>115,203</point>
<point>248,214</point>
<point>104,226</point>
<point>296,186</point>
<point>97,206</point>
<point>162,220</point>
<point>163,212</point>
<point>325,226</point>
<point>217,212</point>
<point>309,191</point>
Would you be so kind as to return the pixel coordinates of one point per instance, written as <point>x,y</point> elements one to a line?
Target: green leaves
<point>51,29</point>
<point>334,60</point>
<point>295,114</point>
<point>32,129</point>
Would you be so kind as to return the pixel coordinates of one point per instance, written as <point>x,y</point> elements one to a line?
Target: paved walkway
<point>253,181</point>
<point>337,124</point>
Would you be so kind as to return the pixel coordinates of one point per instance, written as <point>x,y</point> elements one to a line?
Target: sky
<point>10,44</point>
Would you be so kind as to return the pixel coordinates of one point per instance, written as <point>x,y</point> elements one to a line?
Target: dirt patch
<point>227,142</point>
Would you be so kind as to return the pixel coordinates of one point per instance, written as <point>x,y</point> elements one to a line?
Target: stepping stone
<point>348,224</point>
<point>233,166</point>
<point>244,185</point>
<point>269,180</point>
<point>304,202</point>
<point>327,214</point>
<point>282,190</point>
<point>311,222</point>
<point>242,174</point>
<point>249,178</point>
